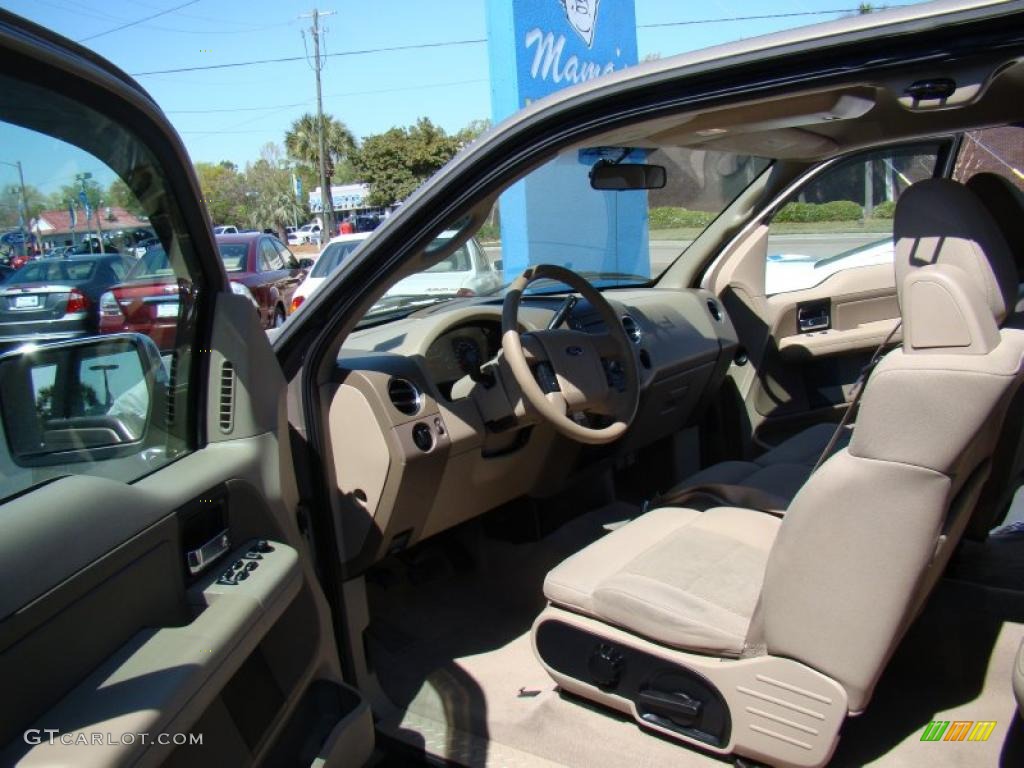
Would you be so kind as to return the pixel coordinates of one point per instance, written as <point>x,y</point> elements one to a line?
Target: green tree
<point>59,200</point>
<point>11,204</point>
<point>270,200</point>
<point>120,195</point>
<point>302,145</point>
<point>223,191</point>
<point>396,162</point>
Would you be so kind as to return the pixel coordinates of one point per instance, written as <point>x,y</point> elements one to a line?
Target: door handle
<point>813,318</point>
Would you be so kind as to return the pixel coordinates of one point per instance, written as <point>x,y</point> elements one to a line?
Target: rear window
<point>154,264</point>
<point>234,256</point>
<point>54,272</point>
<point>457,262</point>
<point>334,256</point>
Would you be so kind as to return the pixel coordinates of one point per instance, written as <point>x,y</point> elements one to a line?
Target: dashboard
<point>420,439</point>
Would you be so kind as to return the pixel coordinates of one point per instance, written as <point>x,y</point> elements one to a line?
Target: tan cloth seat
<point>683,578</point>
<point>835,583</point>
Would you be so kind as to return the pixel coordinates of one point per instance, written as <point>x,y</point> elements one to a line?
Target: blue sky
<point>230,113</point>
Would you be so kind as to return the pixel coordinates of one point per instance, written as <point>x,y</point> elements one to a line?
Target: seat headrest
<point>1005,203</point>
<point>939,221</point>
<point>944,311</point>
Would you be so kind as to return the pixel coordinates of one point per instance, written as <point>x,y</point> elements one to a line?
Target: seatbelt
<point>860,385</point>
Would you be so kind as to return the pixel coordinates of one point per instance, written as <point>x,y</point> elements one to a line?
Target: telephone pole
<point>326,199</point>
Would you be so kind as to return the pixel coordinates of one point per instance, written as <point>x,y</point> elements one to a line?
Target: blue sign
<point>84,200</point>
<point>72,214</point>
<point>536,48</point>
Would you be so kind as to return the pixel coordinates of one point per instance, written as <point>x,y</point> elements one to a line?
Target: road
<point>663,252</point>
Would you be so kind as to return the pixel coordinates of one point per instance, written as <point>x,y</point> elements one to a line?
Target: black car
<point>56,299</point>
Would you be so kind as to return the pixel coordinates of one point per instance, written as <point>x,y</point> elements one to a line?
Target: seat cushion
<point>679,577</point>
<point>780,472</point>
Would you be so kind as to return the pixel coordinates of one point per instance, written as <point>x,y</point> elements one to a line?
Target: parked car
<point>334,254</point>
<point>796,272</point>
<point>307,233</point>
<point>260,268</point>
<point>225,229</point>
<point>466,272</point>
<point>56,299</point>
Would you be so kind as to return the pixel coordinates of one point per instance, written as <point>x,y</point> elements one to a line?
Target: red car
<point>258,266</point>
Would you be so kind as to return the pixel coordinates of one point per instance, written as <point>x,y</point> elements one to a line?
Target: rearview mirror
<point>621,177</point>
<point>80,400</point>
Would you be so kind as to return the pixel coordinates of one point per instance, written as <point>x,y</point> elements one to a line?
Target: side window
<point>117,403</point>
<point>290,262</point>
<point>270,259</point>
<point>992,150</point>
<point>842,218</point>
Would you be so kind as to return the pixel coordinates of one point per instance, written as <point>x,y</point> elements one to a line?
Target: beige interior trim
<point>834,341</point>
<point>782,712</point>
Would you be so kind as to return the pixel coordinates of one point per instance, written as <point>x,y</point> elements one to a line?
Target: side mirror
<point>498,265</point>
<point>621,177</point>
<point>80,400</point>
<point>306,263</point>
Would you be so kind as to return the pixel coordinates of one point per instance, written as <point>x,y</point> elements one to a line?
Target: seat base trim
<point>775,710</point>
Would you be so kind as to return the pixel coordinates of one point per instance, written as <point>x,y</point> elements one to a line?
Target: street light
<point>24,203</point>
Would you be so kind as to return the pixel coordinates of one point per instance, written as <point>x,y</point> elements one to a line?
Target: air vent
<point>714,310</point>
<point>226,415</point>
<point>172,388</point>
<point>632,329</point>
<point>405,396</point>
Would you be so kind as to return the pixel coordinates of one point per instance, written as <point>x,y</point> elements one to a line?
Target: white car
<point>794,272</point>
<point>305,234</point>
<point>466,272</point>
<point>334,254</point>
<point>225,230</point>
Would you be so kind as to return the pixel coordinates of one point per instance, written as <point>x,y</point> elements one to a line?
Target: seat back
<point>1005,203</point>
<point>866,538</point>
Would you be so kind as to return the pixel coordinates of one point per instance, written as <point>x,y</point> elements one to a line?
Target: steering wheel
<point>563,372</point>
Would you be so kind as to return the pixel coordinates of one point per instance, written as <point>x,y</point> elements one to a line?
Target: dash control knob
<point>605,665</point>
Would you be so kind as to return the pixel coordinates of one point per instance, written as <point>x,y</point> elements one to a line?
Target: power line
<point>361,52</point>
<point>762,17</point>
<point>138,21</point>
<point>475,41</point>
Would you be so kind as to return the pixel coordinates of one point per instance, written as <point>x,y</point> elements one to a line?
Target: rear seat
<point>779,472</point>
<point>782,471</point>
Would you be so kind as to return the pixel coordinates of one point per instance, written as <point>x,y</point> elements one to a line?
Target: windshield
<point>52,271</point>
<point>234,256</point>
<point>333,256</point>
<point>613,238</point>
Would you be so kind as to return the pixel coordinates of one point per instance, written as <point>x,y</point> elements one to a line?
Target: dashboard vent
<point>405,396</point>
<point>714,310</point>
<point>226,407</point>
<point>632,329</point>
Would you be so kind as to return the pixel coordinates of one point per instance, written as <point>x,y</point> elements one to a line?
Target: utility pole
<point>326,200</point>
<point>24,206</point>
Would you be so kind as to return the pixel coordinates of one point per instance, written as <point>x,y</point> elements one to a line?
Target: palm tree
<point>302,142</point>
